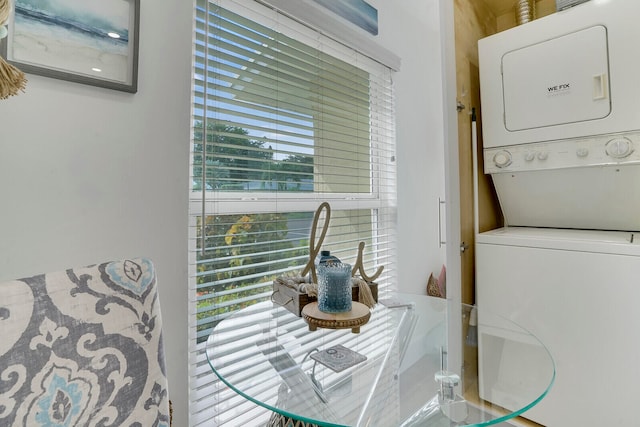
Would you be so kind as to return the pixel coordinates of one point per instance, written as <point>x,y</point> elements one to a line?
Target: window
<point>283,119</point>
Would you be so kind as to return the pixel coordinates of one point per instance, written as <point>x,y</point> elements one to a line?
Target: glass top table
<point>394,372</point>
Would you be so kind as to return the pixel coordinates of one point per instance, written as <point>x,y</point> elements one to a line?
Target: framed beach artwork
<point>358,12</point>
<point>89,42</point>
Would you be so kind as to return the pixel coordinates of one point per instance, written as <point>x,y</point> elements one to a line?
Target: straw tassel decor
<point>12,80</point>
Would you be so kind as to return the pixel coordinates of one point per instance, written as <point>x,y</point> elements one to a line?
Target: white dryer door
<point>559,81</point>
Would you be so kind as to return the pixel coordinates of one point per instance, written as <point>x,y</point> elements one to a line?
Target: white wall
<point>89,175</point>
<point>411,29</point>
<point>421,33</point>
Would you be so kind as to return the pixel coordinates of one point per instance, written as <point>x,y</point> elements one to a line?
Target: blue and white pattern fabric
<point>83,347</point>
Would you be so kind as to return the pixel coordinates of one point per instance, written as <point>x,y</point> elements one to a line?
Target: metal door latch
<point>463,247</point>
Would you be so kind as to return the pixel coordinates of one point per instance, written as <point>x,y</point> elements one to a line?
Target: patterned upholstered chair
<point>83,347</point>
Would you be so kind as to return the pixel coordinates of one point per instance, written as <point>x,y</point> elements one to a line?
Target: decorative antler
<point>359,267</point>
<point>314,249</point>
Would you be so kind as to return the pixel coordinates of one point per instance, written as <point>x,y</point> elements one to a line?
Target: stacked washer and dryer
<point>561,132</point>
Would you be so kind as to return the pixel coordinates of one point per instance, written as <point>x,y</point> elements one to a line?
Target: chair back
<point>83,347</point>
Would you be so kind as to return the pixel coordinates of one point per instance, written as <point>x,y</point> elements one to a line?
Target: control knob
<point>619,148</point>
<point>542,155</point>
<point>502,159</point>
<point>529,156</point>
<point>582,152</point>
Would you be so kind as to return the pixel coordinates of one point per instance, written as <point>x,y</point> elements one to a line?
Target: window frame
<point>379,201</point>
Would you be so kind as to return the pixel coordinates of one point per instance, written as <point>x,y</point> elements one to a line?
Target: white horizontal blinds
<point>279,110</point>
<point>243,254</point>
<point>283,119</point>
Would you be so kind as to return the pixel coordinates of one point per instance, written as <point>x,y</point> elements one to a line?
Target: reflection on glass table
<point>393,373</point>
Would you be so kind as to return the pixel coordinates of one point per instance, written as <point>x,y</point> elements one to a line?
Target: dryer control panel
<point>600,150</point>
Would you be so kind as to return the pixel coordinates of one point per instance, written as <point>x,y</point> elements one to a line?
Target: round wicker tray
<point>358,316</point>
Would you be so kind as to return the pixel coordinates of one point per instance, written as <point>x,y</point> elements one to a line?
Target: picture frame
<point>357,12</point>
<point>93,43</point>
